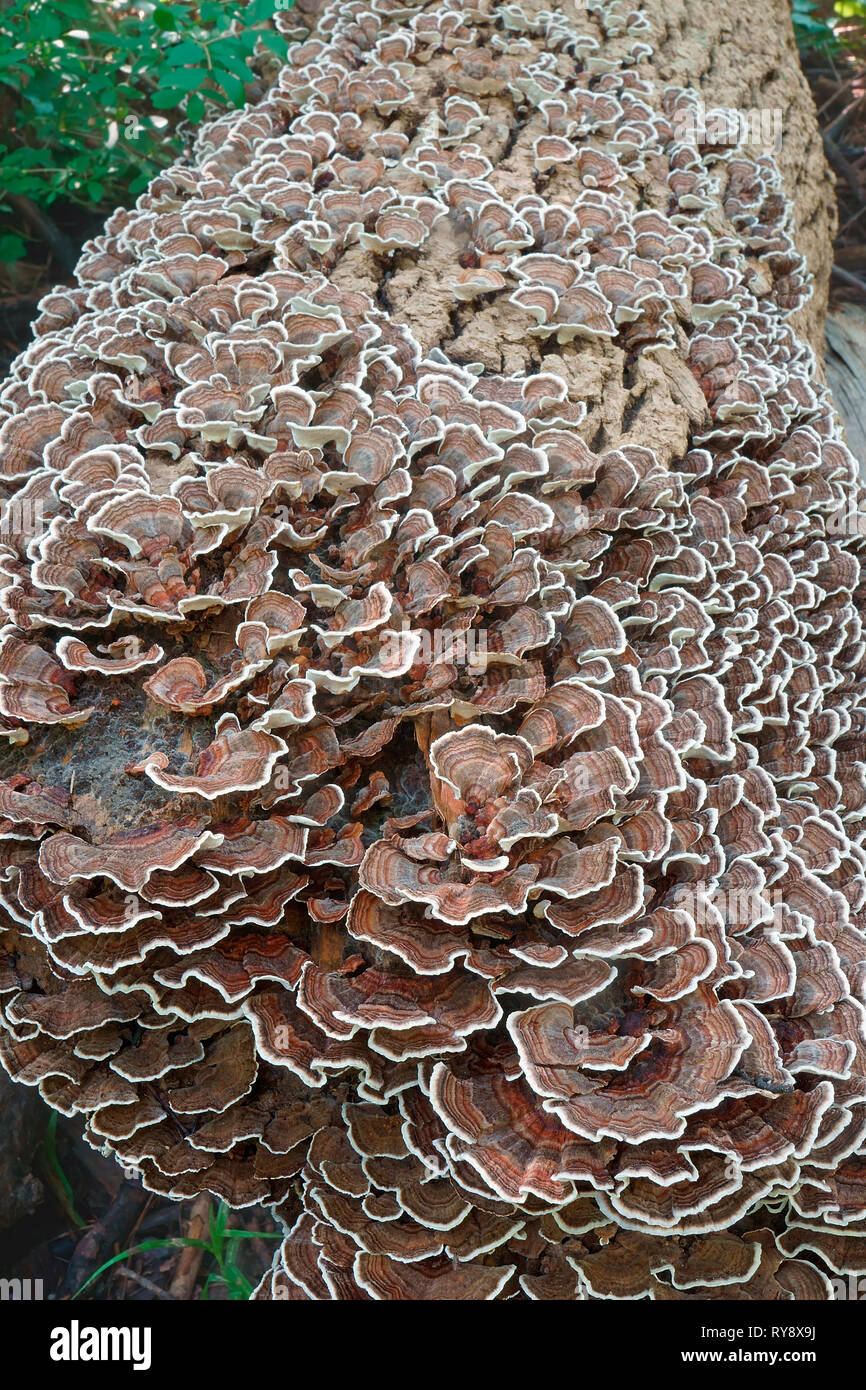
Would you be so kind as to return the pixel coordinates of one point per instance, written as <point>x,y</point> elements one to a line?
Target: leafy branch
<point>92,92</point>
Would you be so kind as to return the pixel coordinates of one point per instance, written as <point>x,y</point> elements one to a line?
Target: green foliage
<point>837,34</point>
<point>91,92</point>
<point>850,27</point>
<point>810,30</point>
<point>221,1247</point>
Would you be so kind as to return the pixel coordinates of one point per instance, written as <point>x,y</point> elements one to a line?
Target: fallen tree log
<point>845,354</point>
<point>433,677</point>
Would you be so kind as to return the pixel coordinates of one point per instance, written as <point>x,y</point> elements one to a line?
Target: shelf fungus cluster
<point>533,976</point>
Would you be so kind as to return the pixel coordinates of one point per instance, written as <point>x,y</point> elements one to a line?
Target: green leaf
<point>183,58</point>
<point>212,11</point>
<point>258,11</point>
<point>275,42</point>
<point>231,85</point>
<point>217,1221</point>
<point>195,109</point>
<point>186,79</point>
<point>173,1243</point>
<point>12,248</point>
<point>167,97</point>
<point>11,60</point>
<point>184,52</point>
<point>46,26</point>
<point>225,58</point>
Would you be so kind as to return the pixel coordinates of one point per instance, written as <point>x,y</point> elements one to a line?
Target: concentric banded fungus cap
<point>414,813</point>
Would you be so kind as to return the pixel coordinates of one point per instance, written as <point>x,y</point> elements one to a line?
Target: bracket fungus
<point>534,976</point>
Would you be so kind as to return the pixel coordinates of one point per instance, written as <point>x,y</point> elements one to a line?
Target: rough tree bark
<point>735,56</point>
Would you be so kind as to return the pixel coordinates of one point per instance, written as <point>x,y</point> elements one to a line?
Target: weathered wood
<point>845,361</point>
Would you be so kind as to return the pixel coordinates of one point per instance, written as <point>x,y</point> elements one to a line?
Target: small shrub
<point>841,32</point>
<point>92,93</point>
